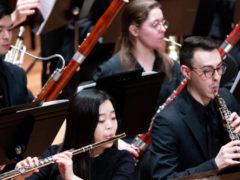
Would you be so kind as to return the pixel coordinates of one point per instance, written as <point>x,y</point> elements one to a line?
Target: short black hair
<point>193,43</point>
<point>4,9</point>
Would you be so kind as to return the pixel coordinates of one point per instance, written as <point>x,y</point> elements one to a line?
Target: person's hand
<point>228,154</point>
<point>235,122</point>
<point>23,9</point>
<point>26,163</point>
<point>122,145</point>
<point>65,165</point>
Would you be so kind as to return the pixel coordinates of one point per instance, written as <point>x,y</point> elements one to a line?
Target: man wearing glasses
<point>189,136</point>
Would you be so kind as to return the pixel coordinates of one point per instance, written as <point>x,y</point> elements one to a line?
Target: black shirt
<point>2,102</point>
<point>13,87</point>
<point>3,85</point>
<point>112,164</point>
<point>212,129</point>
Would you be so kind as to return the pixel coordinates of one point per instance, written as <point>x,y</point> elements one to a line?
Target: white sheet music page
<point>45,7</point>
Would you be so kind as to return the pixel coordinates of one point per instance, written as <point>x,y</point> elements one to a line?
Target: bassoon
<point>47,161</point>
<point>142,141</point>
<point>230,41</point>
<point>59,79</point>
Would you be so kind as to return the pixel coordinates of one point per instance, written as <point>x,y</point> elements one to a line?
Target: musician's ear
<point>133,30</point>
<point>185,71</point>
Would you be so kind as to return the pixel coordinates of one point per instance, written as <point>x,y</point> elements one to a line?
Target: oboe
<point>49,160</point>
<point>225,113</point>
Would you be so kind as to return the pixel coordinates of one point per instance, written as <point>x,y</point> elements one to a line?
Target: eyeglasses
<point>209,71</point>
<point>160,24</point>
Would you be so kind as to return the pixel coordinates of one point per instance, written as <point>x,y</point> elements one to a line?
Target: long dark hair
<point>135,13</point>
<point>82,120</point>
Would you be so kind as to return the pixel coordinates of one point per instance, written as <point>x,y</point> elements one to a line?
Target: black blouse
<point>112,164</point>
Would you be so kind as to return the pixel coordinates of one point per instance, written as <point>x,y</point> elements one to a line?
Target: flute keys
<point>22,170</point>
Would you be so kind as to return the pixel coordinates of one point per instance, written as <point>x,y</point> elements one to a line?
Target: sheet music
<point>144,73</point>
<point>45,7</point>
<point>82,87</point>
<point>235,82</point>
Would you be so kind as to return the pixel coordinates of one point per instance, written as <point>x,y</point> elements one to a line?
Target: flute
<point>47,161</point>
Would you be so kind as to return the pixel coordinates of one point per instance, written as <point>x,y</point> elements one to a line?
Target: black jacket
<point>14,85</point>
<point>178,147</point>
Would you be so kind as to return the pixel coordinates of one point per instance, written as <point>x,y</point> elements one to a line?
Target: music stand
<point>16,108</point>
<point>30,131</point>
<point>55,17</point>
<point>135,98</point>
<point>230,172</point>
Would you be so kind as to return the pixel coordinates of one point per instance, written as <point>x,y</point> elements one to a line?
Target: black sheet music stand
<point>29,131</point>
<point>135,98</point>
<point>180,15</point>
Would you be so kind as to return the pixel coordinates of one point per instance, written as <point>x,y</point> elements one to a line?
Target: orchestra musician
<point>90,119</point>
<point>142,37</point>
<point>140,45</point>
<point>189,135</point>
<point>13,81</point>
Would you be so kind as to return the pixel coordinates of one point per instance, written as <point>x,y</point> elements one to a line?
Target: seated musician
<point>189,135</point>
<point>13,88</point>
<point>90,119</point>
<point>142,36</point>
